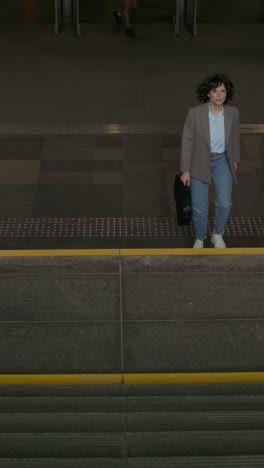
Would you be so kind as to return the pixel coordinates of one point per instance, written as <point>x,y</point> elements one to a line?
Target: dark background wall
<point>42,11</point>
<point>23,11</point>
<point>149,10</point>
<point>153,10</point>
<point>210,11</point>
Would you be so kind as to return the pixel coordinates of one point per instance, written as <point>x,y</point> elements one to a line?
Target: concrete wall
<point>148,10</point>
<point>20,11</point>
<point>23,11</point>
<point>210,11</point>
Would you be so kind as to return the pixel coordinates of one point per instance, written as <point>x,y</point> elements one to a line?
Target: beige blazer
<point>195,148</point>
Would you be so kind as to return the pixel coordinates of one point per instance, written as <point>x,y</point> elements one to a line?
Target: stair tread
<point>131,422</point>
<point>129,403</point>
<point>131,429</point>
<point>116,390</point>
<point>251,461</point>
<point>133,444</point>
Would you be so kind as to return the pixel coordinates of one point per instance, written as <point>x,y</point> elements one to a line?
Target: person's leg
<point>199,193</point>
<point>223,182</point>
<point>128,5</point>
<point>123,16</point>
<point>125,13</point>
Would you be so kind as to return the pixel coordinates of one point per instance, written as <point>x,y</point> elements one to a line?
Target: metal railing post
<point>56,25</point>
<point>77,7</point>
<point>176,21</point>
<point>191,23</point>
<point>195,18</point>
<point>67,12</point>
<point>58,10</point>
<point>76,16</point>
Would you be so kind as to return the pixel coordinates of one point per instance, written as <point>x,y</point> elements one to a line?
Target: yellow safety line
<point>130,252</point>
<point>195,378</point>
<point>60,253</point>
<point>132,379</point>
<point>60,379</point>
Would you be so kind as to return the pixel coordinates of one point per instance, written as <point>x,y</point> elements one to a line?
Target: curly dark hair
<point>212,82</point>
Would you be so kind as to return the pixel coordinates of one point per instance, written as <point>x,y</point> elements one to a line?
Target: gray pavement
<point>131,314</point>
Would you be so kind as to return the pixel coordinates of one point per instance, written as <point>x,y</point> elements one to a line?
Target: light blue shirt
<point>217,131</point>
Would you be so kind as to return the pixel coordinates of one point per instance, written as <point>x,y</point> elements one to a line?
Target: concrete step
<point>118,426</point>
<point>132,404</point>
<point>147,444</point>
<point>61,404</point>
<point>251,461</point>
<point>131,422</point>
<point>115,390</point>
<point>62,422</point>
<point>195,403</point>
<point>195,421</point>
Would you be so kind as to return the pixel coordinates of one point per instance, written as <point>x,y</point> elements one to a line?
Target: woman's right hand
<point>186,178</point>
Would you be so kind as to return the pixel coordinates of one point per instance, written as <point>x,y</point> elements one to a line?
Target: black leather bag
<point>182,194</point>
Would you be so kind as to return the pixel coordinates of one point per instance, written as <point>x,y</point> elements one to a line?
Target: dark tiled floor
<point>74,148</point>
<point>115,177</point>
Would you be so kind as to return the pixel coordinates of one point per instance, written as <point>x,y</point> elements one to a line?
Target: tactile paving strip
<point>128,228</point>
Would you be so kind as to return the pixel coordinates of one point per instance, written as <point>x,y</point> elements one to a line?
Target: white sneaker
<point>198,244</point>
<point>218,241</point>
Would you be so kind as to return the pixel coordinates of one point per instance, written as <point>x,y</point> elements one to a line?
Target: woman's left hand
<point>235,166</point>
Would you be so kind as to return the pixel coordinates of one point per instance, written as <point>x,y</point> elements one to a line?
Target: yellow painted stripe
<point>130,252</point>
<point>60,253</point>
<point>60,379</point>
<point>132,379</point>
<point>195,378</point>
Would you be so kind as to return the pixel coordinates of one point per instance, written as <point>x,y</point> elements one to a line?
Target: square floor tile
<point>19,172</point>
<point>17,147</point>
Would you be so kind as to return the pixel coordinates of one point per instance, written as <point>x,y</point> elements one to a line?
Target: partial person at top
<point>210,153</point>
<point>122,16</point>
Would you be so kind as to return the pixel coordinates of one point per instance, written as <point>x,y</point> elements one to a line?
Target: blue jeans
<point>223,182</point>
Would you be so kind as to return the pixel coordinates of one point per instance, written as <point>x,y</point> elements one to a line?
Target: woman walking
<point>122,16</point>
<point>210,153</point>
